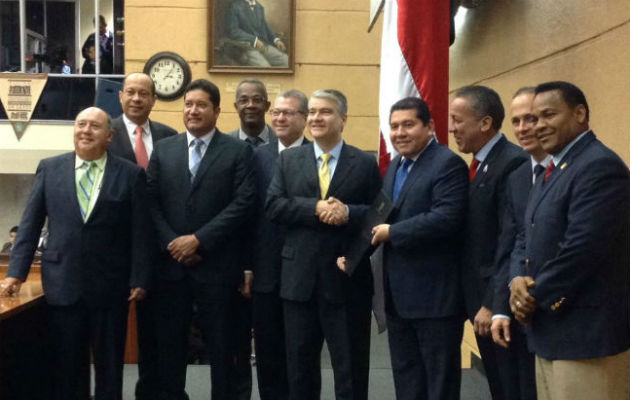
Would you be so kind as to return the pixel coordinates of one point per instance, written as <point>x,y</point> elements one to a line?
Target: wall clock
<point>171,74</point>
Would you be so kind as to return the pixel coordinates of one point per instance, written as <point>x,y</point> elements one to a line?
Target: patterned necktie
<point>85,187</point>
<point>254,140</point>
<point>473,169</point>
<point>538,169</point>
<point>401,177</point>
<point>324,175</point>
<point>195,158</point>
<point>549,171</point>
<point>142,157</point>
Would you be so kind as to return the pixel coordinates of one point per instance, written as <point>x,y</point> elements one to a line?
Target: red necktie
<point>548,171</point>
<point>142,157</point>
<point>473,169</point>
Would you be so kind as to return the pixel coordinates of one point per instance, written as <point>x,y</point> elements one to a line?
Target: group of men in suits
<point>262,213</point>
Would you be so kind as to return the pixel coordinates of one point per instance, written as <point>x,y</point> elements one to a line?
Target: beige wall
<point>333,50</point>
<point>506,44</point>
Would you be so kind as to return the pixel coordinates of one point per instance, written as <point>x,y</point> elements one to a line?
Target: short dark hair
<point>524,90</point>
<point>413,103</point>
<point>208,87</point>
<point>571,94</point>
<point>13,229</point>
<point>484,102</point>
<point>252,81</point>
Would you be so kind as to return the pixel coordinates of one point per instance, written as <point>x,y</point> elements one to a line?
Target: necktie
<point>195,158</point>
<point>401,177</point>
<point>473,169</point>
<point>85,187</point>
<point>142,157</point>
<point>324,175</point>
<point>538,169</point>
<point>548,171</point>
<point>254,140</point>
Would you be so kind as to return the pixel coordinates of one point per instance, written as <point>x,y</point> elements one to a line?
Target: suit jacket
<point>577,236</point>
<point>246,25</point>
<point>269,237</point>
<point>121,145</point>
<point>486,204</point>
<point>519,185</point>
<point>311,247</point>
<point>423,254</point>
<point>214,207</point>
<point>99,259</point>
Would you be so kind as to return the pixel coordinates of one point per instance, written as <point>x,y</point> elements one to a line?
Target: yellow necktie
<point>324,175</point>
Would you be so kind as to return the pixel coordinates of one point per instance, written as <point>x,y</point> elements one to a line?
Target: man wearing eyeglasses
<point>251,104</point>
<point>288,118</point>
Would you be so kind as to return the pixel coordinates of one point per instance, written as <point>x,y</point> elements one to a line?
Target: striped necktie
<point>324,175</point>
<point>195,157</point>
<point>85,188</point>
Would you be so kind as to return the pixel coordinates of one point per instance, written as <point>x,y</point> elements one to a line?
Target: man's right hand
<point>501,331</point>
<point>260,45</point>
<point>10,286</point>
<point>522,303</point>
<point>483,321</point>
<point>331,211</point>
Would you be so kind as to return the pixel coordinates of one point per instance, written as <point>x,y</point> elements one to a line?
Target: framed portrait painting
<point>251,36</point>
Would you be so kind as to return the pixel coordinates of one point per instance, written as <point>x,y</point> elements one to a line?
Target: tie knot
<point>254,140</point>
<point>407,163</point>
<point>198,143</point>
<point>325,157</point>
<point>538,169</point>
<point>139,130</point>
<point>88,165</point>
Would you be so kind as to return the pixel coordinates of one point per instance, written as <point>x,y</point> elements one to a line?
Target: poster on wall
<point>19,94</point>
<point>251,36</point>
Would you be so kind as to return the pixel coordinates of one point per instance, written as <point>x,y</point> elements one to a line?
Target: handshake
<point>332,211</point>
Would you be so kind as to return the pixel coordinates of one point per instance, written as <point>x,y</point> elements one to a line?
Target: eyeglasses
<point>287,113</point>
<point>256,100</point>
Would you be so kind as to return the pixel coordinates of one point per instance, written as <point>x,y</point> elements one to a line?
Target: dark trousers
<point>307,324</point>
<point>493,358</point>
<point>241,368</point>
<point>174,301</point>
<point>75,330</point>
<point>517,367</point>
<point>359,311</point>
<point>426,357</point>
<point>271,363</point>
<point>148,381</point>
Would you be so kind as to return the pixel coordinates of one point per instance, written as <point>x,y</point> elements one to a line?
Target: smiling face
<point>200,115</point>
<point>92,134</point>
<point>408,133</point>
<point>251,105</point>
<point>524,121</point>
<point>558,123</point>
<point>137,98</point>
<point>469,130</point>
<point>324,121</point>
<point>286,119</point>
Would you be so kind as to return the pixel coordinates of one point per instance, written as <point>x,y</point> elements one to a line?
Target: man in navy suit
<point>476,115</point>
<point>134,137</point>
<point>519,373</point>
<point>288,118</point>
<point>320,193</point>
<point>574,289</point>
<point>97,255</point>
<point>424,302</point>
<point>202,192</point>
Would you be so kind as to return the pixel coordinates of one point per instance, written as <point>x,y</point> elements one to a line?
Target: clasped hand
<point>522,303</point>
<point>184,249</point>
<point>331,211</point>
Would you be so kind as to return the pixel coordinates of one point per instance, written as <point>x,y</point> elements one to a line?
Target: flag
<point>414,62</point>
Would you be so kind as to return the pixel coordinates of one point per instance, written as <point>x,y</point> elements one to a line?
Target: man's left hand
<point>380,234</point>
<point>280,45</point>
<point>183,246</point>
<point>483,321</point>
<point>137,294</point>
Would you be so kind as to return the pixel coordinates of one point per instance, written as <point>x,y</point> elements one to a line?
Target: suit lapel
<point>71,185</point>
<point>416,171</point>
<point>487,164</point>
<point>310,170</point>
<point>345,164</point>
<point>122,139</point>
<point>109,179</point>
<point>212,153</point>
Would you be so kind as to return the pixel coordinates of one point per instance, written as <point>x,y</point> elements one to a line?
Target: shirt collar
<point>557,158</point>
<point>334,152</point>
<point>205,138</point>
<point>544,162</point>
<point>263,135</point>
<point>131,126</point>
<point>485,150</point>
<point>100,162</point>
<point>297,143</point>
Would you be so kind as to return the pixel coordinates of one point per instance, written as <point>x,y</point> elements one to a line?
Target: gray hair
<point>253,81</point>
<point>335,96</point>
<point>299,96</point>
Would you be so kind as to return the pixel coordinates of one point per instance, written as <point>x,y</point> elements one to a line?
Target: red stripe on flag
<point>423,34</point>
<point>383,156</point>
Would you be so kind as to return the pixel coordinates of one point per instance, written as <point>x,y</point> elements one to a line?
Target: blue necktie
<point>195,158</point>
<point>401,177</point>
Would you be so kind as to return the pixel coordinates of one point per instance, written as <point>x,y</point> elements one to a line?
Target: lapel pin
<point>563,166</point>
<point>485,168</point>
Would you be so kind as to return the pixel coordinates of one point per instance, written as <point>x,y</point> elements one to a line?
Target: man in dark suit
<point>288,118</point>
<point>202,191</point>
<point>476,114</point>
<point>246,23</point>
<point>320,193</point>
<point>424,303</point>
<point>251,104</point>
<point>95,203</point>
<point>518,373</point>
<point>574,289</point>
<point>134,138</point>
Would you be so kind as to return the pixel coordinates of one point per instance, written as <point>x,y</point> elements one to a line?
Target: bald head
<point>92,133</point>
<point>137,97</point>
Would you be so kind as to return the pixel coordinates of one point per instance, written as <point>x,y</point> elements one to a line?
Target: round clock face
<point>170,74</point>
